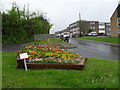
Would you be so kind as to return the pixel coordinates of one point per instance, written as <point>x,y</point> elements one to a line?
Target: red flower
<point>54,46</point>
<point>47,46</point>
<point>38,46</point>
<point>60,50</point>
<point>33,52</point>
<point>27,58</point>
<point>33,45</point>
<point>36,58</point>
<point>40,49</point>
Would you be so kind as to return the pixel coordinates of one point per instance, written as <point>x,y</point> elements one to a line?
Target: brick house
<point>93,25</point>
<point>90,25</point>
<point>115,22</point>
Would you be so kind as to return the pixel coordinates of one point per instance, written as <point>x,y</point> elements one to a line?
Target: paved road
<point>96,50</point>
<point>10,48</point>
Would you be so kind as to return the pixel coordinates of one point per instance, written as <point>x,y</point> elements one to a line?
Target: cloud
<point>64,12</point>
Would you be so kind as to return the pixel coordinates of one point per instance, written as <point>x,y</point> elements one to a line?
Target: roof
<point>117,10</point>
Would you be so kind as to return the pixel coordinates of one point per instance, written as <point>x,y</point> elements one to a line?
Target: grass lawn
<point>50,42</point>
<point>98,73</point>
<point>114,40</point>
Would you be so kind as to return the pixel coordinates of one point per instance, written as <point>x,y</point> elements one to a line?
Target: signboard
<point>23,55</point>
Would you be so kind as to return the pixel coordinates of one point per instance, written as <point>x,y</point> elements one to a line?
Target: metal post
<point>79,23</point>
<point>25,64</point>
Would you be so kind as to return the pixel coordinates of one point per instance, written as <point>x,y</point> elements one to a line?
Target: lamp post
<point>79,23</point>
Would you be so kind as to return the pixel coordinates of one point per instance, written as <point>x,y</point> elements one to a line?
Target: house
<point>83,27</point>
<point>93,25</point>
<point>115,22</point>
<point>104,28</point>
<point>74,28</point>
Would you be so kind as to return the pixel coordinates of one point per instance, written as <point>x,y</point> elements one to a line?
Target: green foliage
<point>97,73</point>
<point>21,25</point>
<point>89,30</point>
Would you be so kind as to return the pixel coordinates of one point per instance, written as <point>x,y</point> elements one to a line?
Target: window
<point>90,22</point>
<point>108,29</point>
<point>118,30</point>
<point>101,29</point>
<point>93,27</point>
<point>93,22</point>
<point>90,27</point>
<point>118,22</point>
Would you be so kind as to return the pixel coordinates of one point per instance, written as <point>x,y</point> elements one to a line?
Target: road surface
<point>95,50</point>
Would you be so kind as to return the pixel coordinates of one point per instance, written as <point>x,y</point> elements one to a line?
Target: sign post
<point>24,56</point>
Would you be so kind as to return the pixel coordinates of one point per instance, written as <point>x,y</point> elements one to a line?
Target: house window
<point>93,27</point>
<point>93,22</point>
<point>118,22</point>
<point>118,30</point>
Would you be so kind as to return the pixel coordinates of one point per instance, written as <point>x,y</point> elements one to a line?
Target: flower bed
<point>50,56</point>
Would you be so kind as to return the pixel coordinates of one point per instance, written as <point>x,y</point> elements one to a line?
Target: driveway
<point>94,49</point>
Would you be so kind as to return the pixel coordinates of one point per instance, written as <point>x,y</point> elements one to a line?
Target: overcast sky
<point>61,13</point>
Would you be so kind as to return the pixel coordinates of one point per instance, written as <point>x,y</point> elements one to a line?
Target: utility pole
<point>79,23</point>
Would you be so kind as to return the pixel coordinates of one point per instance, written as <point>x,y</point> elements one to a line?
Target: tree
<point>83,26</point>
<point>21,25</point>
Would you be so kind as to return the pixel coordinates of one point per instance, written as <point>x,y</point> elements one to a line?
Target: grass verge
<point>0,70</point>
<point>114,40</point>
<point>98,73</point>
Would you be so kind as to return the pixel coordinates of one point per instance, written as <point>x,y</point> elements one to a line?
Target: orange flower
<point>71,51</point>
<point>28,47</point>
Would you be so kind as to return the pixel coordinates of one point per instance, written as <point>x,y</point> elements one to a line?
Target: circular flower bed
<point>51,54</point>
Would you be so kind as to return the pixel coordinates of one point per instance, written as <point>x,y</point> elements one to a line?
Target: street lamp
<point>79,23</point>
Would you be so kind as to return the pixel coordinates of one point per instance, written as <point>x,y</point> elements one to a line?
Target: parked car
<point>65,36</point>
<point>58,35</point>
<point>92,34</point>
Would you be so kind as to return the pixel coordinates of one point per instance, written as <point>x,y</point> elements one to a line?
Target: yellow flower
<point>49,54</point>
<point>30,56</point>
<point>29,51</point>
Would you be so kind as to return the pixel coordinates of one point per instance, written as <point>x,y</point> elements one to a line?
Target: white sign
<point>23,55</point>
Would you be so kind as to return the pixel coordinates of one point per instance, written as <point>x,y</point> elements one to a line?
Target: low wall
<point>43,36</point>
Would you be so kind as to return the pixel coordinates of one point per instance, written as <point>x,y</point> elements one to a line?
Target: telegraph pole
<point>79,23</point>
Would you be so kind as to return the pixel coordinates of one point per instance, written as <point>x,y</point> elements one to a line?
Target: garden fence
<point>43,36</point>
